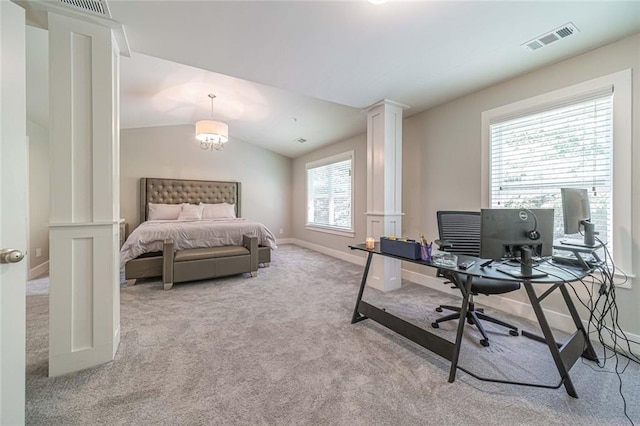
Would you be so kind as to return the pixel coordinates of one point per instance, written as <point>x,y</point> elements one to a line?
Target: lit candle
<point>370,243</point>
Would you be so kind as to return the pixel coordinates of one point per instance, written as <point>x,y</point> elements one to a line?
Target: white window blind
<point>329,193</point>
<point>570,145</point>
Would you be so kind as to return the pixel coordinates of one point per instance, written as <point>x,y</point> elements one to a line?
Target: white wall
<point>37,67</point>
<point>173,152</point>
<point>447,139</point>
<point>442,165</point>
<point>38,197</point>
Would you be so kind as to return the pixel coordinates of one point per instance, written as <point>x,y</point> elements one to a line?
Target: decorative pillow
<point>164,211</point>
<point>190,212</point>
<point>218,211</point>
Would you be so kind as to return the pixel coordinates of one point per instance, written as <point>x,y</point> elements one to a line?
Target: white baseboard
<point>556,320</point>
<point>286,241</point>
<point>41,269</point>
<point>358,260</point>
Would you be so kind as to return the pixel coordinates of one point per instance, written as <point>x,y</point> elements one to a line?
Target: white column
<point>84,305</point>
<point>384,187</point>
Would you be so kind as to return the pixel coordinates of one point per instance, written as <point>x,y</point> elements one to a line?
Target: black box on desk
<point>408,249</point>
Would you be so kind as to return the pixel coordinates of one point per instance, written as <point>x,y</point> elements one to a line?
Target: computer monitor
<point>504,233</point>
<point>577,214</point>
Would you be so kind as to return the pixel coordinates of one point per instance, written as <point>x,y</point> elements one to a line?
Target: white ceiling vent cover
<point>551,37</point>
<point>95,7</point>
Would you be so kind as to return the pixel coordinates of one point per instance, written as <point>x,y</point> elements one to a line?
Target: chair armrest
<point>168,253</point>
<point>252,244</point>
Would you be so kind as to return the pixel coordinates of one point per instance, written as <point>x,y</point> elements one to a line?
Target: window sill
<point>332,231</point>
<point>619,277</point>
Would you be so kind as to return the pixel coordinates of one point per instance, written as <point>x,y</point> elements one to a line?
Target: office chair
<point>459,233</point>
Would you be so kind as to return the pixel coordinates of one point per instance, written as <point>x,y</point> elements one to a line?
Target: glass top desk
<point>564,355</point>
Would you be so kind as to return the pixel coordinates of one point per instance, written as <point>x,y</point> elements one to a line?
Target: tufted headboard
<point>178,191</point>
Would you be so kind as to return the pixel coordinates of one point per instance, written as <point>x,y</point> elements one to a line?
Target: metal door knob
<point>11,256</point>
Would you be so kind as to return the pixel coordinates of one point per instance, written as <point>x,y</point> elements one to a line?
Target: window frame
<point>620,82</point>
<point>348,155</point>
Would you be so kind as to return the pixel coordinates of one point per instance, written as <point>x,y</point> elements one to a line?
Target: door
<point>13,212</point>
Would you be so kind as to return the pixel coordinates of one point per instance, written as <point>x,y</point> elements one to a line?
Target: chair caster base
<point>435,325</point>
<point>438,309</point>
<point>514,332</point>
<point>484,342</point>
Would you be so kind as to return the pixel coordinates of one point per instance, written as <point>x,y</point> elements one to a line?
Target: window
<point>576,137</point>
<point>330,194</point>
<point>535,155</point>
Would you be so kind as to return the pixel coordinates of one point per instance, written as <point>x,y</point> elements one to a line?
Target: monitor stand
<point>589,240</point>
<point>589,233</point>
<point>526,266</point>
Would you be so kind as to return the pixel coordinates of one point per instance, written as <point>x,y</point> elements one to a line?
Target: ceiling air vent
<point>535,44</point>
<point>551,37</point>
<point>300,140</point>
<point>96,7</point>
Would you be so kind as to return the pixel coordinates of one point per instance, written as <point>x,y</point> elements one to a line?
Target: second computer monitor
<point>504,232</point>
<point>577,214</point>
<point>575,209</point>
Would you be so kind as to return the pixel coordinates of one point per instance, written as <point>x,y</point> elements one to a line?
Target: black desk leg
<point>550,339</point>
<point>588,353</point>
<point>463,318</point>
<point>356,316</point>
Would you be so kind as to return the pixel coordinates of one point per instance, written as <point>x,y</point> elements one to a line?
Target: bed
<point>142,251</point>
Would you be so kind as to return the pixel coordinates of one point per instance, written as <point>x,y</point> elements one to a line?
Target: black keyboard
<point>576,243</point>
<point>571,260</point>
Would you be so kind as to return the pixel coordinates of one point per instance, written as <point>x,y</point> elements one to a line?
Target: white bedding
<point>188,234</point>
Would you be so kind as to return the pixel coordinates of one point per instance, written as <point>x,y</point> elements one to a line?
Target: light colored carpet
<point>280,349</point>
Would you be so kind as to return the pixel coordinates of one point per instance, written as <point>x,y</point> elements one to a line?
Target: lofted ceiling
<point>283,70</point>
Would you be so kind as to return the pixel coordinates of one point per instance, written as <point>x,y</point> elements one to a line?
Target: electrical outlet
<point>281,231</point>
<point>38,252</point>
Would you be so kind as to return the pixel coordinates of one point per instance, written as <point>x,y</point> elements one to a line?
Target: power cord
<point>603,318</point>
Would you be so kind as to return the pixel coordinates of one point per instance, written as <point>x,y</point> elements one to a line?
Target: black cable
<point>609,306</point>
<point>610,275</point>
<point>603,317</point>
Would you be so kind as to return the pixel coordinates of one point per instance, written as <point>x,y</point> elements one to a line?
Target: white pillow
<point>164,211</point>
<point>190,212</point>
<point>218,211</point>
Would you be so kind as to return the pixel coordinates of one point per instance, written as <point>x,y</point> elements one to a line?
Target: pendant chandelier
<point>212,134</point>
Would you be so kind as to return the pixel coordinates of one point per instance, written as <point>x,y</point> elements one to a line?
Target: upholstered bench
<point>204,263</point>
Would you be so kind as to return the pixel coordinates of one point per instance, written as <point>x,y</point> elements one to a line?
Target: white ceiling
<point>156,92</point>
<point>322,62</point>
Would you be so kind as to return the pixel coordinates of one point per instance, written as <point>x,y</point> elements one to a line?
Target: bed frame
<point>178,191</point>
